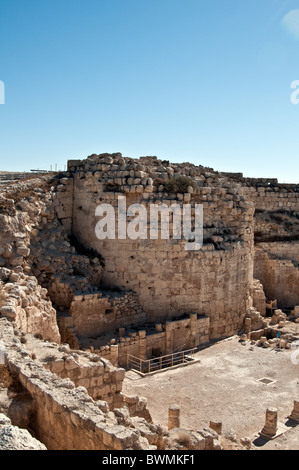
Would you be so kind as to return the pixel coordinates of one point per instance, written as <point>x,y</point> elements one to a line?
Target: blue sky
<point>205,81</point>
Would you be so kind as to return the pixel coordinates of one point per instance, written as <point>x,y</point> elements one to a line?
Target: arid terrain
<point>223,386</point>
<point>85,318</point>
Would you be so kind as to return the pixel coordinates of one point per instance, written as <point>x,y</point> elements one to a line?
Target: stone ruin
<point>73,307</point>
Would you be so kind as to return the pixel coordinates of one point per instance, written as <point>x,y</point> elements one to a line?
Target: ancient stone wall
<point>259,297</point>
<point>63,203</point>
<point>49,242</point>
<point>101,380</point>
<point>99,313</point>
<point>276,229</point>
<point>64,416</point>
<point>159,339</point>
<point>280,277</point>
<point>273,199</point>
<point>169,280</point>
<point>282,250</point>
<point>24,207</point>
<point>26,303</point>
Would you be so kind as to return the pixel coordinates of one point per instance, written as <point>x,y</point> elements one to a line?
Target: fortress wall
<point>66,417</point>
<point>282,250</point>
<point>259,297</point>
<point>63,203</point>
<point>280,277</point>
<point>169,280</point>
<point>99,377</point>
<point>94,314</point>
<point>274,198</point>
<point>177,335</point>
<point>24,206</point>
<point>63,416</point>
<point>276,219</point>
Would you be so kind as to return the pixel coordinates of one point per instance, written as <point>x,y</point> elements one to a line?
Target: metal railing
<point>159,363</point>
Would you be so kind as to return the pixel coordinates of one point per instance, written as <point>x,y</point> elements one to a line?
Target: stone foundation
<point>280,277</point>
<point>159,340</point>
<point>65,417</point>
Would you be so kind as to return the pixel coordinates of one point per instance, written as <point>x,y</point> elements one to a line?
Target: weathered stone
<point>174,417</point>
<point>14,438</point>
<point>270,428</point>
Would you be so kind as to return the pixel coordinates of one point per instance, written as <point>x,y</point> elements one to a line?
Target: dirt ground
<point>224,386</point>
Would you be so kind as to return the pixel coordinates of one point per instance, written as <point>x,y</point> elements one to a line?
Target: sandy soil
<point>224,386</point>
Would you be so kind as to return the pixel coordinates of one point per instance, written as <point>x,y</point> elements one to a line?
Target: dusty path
<point>224,386</point>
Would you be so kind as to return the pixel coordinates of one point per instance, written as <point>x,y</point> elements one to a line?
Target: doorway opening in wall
<point>161,363</point>
<point>108,311</point>
<point>271,306</point>
<point>156,352</point>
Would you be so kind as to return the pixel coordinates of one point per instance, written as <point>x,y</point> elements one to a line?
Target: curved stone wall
<point>170,281</point>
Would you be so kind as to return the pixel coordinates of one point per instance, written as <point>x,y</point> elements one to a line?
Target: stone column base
<point>280,430</point>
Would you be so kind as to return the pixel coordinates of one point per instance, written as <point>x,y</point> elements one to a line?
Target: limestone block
<point>173,417</point>
<point>270,428</point>
<point>96,381</point>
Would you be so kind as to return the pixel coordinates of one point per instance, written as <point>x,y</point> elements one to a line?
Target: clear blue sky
<point>205,81</point>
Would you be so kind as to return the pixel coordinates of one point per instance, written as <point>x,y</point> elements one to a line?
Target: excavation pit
<point>162,363</point>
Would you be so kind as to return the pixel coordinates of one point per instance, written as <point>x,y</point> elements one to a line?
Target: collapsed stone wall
<point>15,438</point>
<point>21,298</point>
<point>276,233</point>
<point>65,417</point>
<point>259,298</point>
<point>26,303</point>
<point>36,255</point>
<point>49,242</point>
<point>102,380</point>
<point>103,312</point>
<point>99,377</point>
<point>282,250</point>
<point>53,268</point>
<point>280,278</point>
